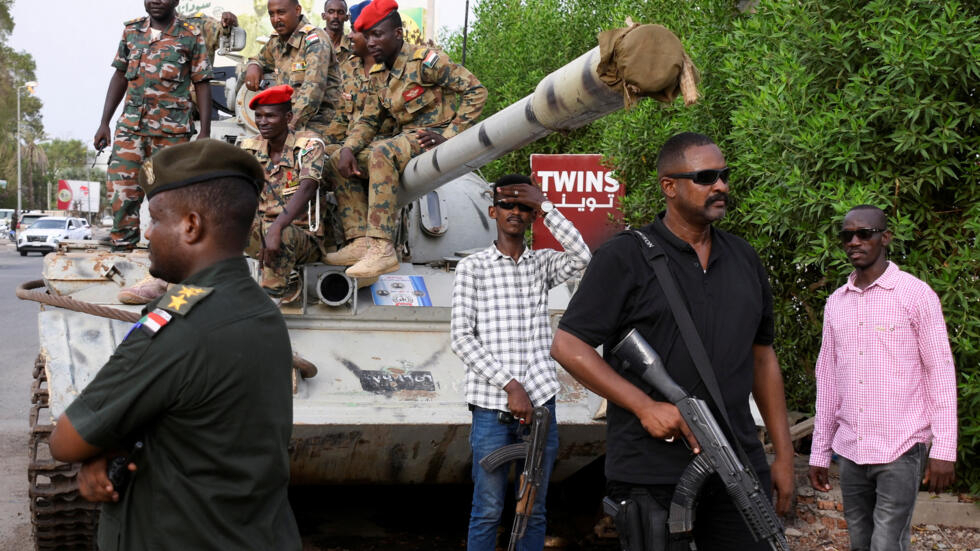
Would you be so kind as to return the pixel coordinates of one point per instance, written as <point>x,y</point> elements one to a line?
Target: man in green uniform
<point>283,234</point>
<point>300,55</point>
<point>202,381</point>
<point>334,16</point>
<point>418,92</point>
<point>159,57</point>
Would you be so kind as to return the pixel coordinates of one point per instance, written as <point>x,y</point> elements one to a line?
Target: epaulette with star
<point>191,28</point>
<point>377,67</point>
<point>134,21</point>
<point>180,299</point>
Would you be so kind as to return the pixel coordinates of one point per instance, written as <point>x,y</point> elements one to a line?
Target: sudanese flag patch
<point>154,321</point>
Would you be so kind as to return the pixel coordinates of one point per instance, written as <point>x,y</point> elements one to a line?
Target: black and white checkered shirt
<point>500,327</point>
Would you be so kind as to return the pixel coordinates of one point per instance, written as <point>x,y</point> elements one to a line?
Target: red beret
<point>272,96</point>
<point>374,13</point>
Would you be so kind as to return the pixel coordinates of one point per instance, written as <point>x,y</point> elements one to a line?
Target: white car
<point>45,234</point>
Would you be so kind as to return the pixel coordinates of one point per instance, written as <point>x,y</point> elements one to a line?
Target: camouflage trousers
<point>297,246</point>
<point>370,207</point>
<point>129,151</point>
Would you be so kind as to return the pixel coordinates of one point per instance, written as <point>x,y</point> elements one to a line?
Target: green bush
<point>818,106</point>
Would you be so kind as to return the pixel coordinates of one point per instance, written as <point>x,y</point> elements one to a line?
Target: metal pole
<point>466,26</point>
<point>17,91</point>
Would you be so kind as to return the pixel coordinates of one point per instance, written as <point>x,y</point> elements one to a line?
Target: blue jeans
<point>879,500</point>
<point>489,489</point>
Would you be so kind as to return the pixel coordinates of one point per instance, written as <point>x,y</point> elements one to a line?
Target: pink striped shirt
<point>885,379</point>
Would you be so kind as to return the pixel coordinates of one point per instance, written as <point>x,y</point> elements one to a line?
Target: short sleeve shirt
<point>210,396</point>
<point>159,72</point>
<point>731,305</point>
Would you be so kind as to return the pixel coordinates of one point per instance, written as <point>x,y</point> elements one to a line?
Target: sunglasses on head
<point>704,177</point>
<point>863,234</point>
<point>510,206</point>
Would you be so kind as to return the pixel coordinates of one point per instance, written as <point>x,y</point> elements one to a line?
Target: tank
<point>378,393</point>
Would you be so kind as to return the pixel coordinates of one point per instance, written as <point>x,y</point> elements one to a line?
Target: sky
<point>73,55</point>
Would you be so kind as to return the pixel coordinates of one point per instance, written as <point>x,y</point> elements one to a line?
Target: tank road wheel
<point>60,518</point>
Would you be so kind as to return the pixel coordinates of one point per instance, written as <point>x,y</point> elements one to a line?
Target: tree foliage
<point>17,68</point>
<point>818,106</point>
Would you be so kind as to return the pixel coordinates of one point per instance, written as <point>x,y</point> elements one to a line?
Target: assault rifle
<point>532,477</point>
<point>717,454</point>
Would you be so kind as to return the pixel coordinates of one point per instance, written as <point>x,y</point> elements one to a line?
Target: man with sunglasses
<point>726,290</point>
<point>501,331</point>
<point>886,388</point>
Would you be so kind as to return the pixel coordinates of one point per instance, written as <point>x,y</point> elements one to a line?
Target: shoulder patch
<point>134,21</point>
<point>252,143</point>
<point>307,28</point>
<point>377,67</point>
<point>312,38</point>
<point>419,54</point>
<point>154,321</point>
<point>180,299</point>
<point>430,59</point>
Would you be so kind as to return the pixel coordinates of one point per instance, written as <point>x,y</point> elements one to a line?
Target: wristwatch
<point>547,206</point>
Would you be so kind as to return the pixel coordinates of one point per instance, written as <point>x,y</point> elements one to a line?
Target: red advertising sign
<point>78,195</point>
<point>584,191</point>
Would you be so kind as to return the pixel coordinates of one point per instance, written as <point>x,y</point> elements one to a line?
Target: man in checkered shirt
<point>886,388</point>
<point>501,331</point>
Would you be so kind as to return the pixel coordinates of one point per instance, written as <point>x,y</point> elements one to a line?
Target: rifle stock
<point>717,454</point>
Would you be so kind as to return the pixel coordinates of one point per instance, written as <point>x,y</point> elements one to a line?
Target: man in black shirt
<point>726,290</point>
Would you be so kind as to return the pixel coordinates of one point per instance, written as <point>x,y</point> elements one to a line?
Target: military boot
<point>350,253</point>
<point>144,292</point>
<point>380,259</point>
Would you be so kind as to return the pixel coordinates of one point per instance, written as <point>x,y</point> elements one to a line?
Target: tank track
<point>60,518</point>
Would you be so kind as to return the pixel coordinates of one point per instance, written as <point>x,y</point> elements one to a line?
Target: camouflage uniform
<point>156,112</point>
<point>302,159</point>
<point>211,30</point>
<point>344,50</point>
<point>306,62</point>
<point>419,94</point>
<point>351,193</point>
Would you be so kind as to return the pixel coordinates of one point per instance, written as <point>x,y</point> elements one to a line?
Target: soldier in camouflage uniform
<point>212,29</point>
<point>334,15</point>
<point>158,59</point>
<point>418,92</point>
<point>300,55</point>
<point>282,236</point>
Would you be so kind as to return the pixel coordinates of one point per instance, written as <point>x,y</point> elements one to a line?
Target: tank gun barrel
<point>568,98</point>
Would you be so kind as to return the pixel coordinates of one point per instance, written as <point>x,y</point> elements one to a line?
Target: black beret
<point>196,162</point>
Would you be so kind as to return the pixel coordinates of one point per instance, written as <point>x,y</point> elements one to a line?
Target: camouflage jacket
<point>344,50</point>
<point>358,88</point>
<point>306,62</point>
<point>159,74</point>
<point>419,92</point>
<point>211,30</point>
<point>302,159</point>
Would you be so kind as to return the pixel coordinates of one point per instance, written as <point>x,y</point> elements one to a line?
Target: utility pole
<point>30,90</point>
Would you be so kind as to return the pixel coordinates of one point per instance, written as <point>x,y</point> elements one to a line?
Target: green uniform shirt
<point>209,394</point>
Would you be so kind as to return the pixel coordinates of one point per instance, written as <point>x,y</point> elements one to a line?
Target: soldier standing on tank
<point>300,55</point>
<point>418,92</point>
<point>202,382</point>
<point>281,235</point>
<point>159,57</point>
<point>334,16</point>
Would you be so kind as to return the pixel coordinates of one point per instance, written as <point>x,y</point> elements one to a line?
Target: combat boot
<point>144,292</point>
<point>380,259</point>
<point>350,253</point>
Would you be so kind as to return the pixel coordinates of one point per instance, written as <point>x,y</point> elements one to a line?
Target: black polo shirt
<point>731,305</point>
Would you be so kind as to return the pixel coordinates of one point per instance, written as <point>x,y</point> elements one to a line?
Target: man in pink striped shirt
<point>885,390</point>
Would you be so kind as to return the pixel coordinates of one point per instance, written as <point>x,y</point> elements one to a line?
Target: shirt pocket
<point>174,116</point>
<point>133,63</point>
<point>419,101</point>
<point>898,345</point>
<point>297,73</point>
<point>173,65</point>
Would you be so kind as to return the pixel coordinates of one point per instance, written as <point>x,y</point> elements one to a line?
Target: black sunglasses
<point>510,206</point>
<point>863,234</point>
<point>704,177</point>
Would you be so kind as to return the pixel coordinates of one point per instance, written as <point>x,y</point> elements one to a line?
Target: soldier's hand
<point>663,420</point>
<point>253,77</point>
<point>524,194</point>
<point>93,482</point>
<point>229,19</point>
<point>819,478</point>
<point>102,137</point>
<point>518,402</point>
<point>273,246</point>
<point>428,139</point>
<point>347,163</point>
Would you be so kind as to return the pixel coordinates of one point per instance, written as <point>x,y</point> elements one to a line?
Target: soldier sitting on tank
<point>282,236</point>
<point>334,16</point>
<point>159,59</point>
<point>301,56</point>
<point>418,92</point>
<point>212,29</point>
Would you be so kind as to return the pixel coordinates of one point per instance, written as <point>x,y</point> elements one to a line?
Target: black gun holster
<point>641,523</point>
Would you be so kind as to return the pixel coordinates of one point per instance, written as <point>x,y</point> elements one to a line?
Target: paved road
<point>18,323</point>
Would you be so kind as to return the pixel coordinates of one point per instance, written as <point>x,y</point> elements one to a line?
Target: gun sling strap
<point>657,259</point>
